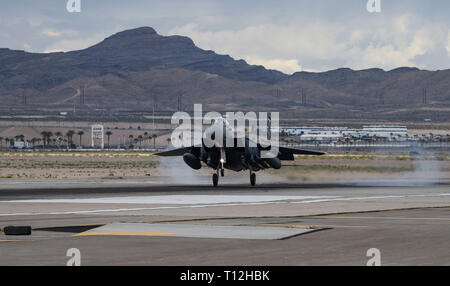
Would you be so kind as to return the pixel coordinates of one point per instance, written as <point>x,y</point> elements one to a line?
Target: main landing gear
<point>215,179</point>
<point>252,178</point>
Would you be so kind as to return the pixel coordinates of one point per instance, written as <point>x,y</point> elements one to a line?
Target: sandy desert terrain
<point>115,165</point>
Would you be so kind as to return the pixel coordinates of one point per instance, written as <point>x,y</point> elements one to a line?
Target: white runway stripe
<point>176,199</point>
<point>285,199</point>
<point>133,209</point>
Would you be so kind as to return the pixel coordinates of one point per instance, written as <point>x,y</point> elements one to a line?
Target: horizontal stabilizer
<point>301,152</point>
<point>287,154</point>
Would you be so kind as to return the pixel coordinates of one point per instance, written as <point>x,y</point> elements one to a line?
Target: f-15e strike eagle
<point>220,157</point>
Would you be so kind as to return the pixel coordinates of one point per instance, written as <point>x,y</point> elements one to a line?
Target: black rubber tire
<point>222,172</point>
<point>17,230</point>
<point>253,179</point>
<point>215,180</point>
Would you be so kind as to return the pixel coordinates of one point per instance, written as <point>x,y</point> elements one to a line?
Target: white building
<point>385,131</point>
<point>339,133</point>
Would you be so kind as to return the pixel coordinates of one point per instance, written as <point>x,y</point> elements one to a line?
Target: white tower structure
<point>97,133</point>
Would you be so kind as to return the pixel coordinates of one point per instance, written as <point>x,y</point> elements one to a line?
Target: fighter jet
<point>220,157</point>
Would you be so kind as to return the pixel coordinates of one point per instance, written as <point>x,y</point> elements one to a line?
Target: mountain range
<point>139,70</point>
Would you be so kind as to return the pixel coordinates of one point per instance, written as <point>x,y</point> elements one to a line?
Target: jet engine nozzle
<point>192,161</point>
<point>273,162</point>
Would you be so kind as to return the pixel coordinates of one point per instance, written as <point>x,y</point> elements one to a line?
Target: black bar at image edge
<point>223,275</point>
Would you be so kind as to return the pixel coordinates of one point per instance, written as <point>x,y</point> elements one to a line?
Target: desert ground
<point>117,165</point>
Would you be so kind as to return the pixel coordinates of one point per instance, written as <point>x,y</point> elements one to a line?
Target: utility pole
<point>424,96</point>
<point>379,95</point>
<point>303,97</point>
<point>82,95</point>
<point>24,98</point>
<point>153,116</point>
<point>278,92</point>
<point>179,101</point>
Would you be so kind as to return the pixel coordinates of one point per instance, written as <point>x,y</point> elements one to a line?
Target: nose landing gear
<point>220,169</point>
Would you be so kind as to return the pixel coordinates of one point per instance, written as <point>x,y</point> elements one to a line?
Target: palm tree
<point>146,135</point>
<point>168,140</point>
<point>49,137</point>
<point>69,135</point>
<point>81,133</point>
<point>19,137</point>
<point>130,137</point>
<point>140,140</point>
<point>44,136</point>
<point>109,133</point>
<point>33,141</point>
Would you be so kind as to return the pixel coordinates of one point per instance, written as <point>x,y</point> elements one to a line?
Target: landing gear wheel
<point>215,180</point>
<point>253,179</point>
<point>222,172</point>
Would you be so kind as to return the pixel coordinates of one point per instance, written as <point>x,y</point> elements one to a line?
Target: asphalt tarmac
<point>272,224</point>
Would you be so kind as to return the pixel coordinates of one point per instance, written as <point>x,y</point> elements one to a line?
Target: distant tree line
<point>50,139</point>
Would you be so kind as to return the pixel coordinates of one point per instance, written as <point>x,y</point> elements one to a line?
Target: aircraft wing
<point>287,154</point>
<point>174,152</point>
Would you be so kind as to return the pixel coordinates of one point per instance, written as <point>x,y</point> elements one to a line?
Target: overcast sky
<point>288,35</point>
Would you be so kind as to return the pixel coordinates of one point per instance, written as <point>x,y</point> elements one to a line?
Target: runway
<point>272,224</point>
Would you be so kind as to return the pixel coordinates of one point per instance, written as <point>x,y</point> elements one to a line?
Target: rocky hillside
<point>136,70</point>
